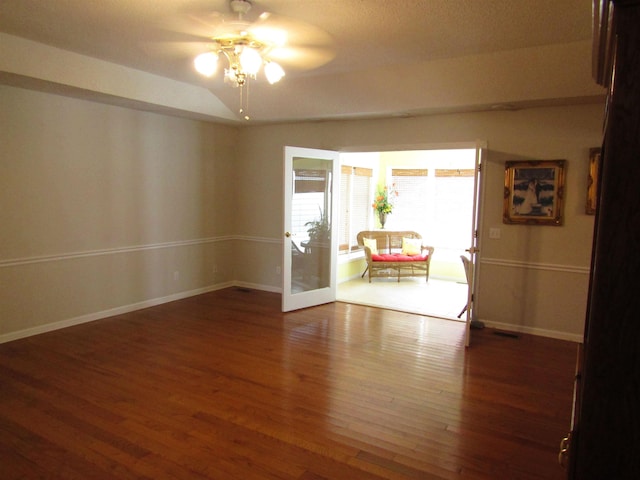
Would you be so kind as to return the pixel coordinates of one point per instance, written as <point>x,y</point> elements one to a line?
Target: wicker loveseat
<point>394,253</point>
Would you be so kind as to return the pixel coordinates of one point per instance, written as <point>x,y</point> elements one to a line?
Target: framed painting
<point>592,181</point>
<point>534,192</point>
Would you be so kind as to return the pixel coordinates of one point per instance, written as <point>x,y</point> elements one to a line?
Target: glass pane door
<point>310,210</point>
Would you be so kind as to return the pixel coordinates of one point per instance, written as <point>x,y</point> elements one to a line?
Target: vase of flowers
<point>382,218</point>
<point>383,203</point>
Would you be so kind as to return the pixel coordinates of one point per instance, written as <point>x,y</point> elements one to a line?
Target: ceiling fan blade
<point>297,32</point>
<point>175,49</point>
<point>294,44</point>
<point>206,25</point>
<point>302,58</point>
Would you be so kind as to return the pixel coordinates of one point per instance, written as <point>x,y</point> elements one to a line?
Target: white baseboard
<point>540,332</point>
<point>256,286</point>
<point>355,276</point>
<point>49,327</point>
<point>28,332</point>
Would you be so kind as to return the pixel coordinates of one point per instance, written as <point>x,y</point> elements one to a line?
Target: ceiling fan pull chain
<point>244,101</point>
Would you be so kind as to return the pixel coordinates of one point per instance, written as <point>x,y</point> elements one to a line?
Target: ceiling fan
<point>249,43</point>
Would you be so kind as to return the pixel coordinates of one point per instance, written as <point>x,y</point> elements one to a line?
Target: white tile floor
<point>436,298</point>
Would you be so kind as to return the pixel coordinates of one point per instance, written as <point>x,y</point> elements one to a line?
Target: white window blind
<point>355,205</point>
<point>310,201</point>
<point>454,194</point>
<point>345,210</point>
<point>410,207</point>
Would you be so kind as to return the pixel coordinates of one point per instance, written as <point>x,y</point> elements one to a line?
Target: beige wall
<point>106,208</point>
<point>534,278</point>
<point>102,205</point>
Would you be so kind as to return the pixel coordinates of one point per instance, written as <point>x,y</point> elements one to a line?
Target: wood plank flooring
<point>225,386</point>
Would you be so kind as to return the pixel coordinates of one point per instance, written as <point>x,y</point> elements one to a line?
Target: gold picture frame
<point>534,192</point>
<point>592,180</point>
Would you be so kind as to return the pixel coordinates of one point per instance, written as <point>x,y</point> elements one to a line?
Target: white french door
<point>474,249</point>
<point>310,246</point>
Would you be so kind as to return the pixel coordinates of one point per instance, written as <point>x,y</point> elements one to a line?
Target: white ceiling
<point>385,57</point>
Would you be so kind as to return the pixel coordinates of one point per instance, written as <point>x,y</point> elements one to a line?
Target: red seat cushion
<point>398,257</point>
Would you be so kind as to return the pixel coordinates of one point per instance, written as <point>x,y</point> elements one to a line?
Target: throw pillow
<point>372,244</point>
<point>411,246</point>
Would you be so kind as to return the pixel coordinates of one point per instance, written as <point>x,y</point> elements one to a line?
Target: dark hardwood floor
<point>225,386</point>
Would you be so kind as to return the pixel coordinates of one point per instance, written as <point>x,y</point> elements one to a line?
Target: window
<point>454,192</point>
<point>435,196</point>
<point>437,203</point>
<point>410,207</point>
<point>355,205</point>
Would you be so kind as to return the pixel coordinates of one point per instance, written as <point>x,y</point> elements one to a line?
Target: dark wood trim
<point>606,437</point>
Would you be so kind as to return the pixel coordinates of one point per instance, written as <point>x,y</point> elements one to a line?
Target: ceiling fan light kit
<point>246,47</point>
<point>245,53</point>
<point>245,56</point>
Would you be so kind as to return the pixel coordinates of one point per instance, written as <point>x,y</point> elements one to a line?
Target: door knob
<point>287,234</point>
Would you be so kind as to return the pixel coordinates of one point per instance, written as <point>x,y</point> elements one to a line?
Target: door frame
<point>479,146</point>
<point>329,295</point>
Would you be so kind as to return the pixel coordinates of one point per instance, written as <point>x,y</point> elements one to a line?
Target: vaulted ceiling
<point>364,58</point>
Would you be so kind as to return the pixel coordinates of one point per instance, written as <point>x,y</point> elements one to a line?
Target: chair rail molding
<point>550,267</point>
<point>14,262</point>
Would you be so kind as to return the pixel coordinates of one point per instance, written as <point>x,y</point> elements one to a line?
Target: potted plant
<point>319,230</point>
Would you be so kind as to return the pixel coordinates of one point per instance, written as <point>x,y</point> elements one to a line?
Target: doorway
<point>436,199</point>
